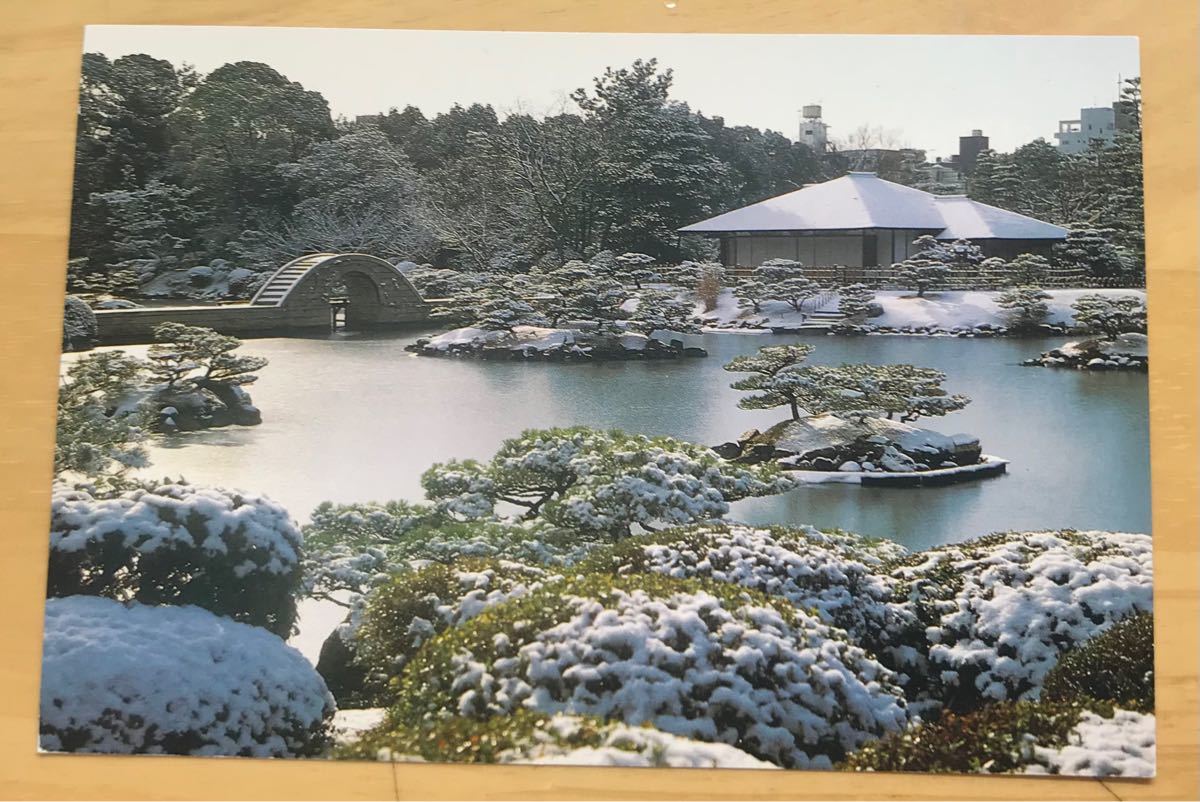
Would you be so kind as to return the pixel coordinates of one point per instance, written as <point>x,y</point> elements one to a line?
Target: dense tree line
<point>1097,193</point>
<point>175,169</point>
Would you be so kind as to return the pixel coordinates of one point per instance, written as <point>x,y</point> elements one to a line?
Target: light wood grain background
<point>40,42</point>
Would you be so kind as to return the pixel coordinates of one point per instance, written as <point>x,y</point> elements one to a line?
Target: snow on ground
<point>349,725</point>
<point>1121,746</point>
<point>901,308</point>
<point>634,746</point>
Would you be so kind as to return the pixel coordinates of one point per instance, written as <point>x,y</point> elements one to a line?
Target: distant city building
<point>969,148</point>
<point>1098,123</point>
<point>943,177</point>
<point>814,132</point>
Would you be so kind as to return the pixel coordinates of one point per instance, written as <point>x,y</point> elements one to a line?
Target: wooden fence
<point>970,278</point>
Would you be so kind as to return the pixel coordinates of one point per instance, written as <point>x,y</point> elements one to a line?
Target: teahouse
<point>861,220</point>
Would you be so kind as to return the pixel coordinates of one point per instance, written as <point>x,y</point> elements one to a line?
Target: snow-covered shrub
<point>123,679</point>
<point>598,483</point>
<point>414,606</point>
<point>234,554</point>
<point>701,660</point>
<point>529,737</point>
<point>101,421</point>
<point>837,575</point>
<point>854,301</point>
<point>1021,737</point>
<point>999,610</point>
<point>1110,314</point>
<point>1025,306</point>
<point>1115,666</point>
<point>80,329</point>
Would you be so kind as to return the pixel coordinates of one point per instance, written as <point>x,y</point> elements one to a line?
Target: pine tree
<point>635,268</point>
<point>1027,308</point>
<point>1111,315</point>
<point>861,391</point>
<point>656,168</point>
<point>1092,250</point>
<point>751,293</point>
<point>657,310</point>
<point>928,268</point>
<point>771,372</point>
<point>854,302</point>
<point>1027,270</point>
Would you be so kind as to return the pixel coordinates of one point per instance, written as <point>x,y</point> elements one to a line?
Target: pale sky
<point>928,90</point>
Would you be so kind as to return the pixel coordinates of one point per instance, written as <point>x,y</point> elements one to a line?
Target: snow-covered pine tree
<point>770,377</point>
<point>634,268</point>
<point>751,293</point>
<point>854,302</point>
<point>860,391</point>
<point>1092,250</point>
<point>1028,270</point>
<point>658,310</point>
<point>1111,315</point>
<point>926,269</point>
<point>1026,307</point>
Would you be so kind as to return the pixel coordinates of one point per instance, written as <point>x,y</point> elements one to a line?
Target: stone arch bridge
<point>312,293</point>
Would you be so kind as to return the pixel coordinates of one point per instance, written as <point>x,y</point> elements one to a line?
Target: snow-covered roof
<point>864,200</point>
<point>969,219</point>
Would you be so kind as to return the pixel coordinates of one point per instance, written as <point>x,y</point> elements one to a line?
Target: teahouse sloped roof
<point>864,200</point>
<point>970,219</point>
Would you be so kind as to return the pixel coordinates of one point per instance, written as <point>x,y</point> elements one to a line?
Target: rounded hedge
<point>701,660</point>
<point>1116,666</point>
<point>532,737</point>
<point>414,606</point>
<point>998,611</point>
<point>236,554</point>
<point>998,738</point>
<point>1083,737</point>
<point>121,679</point>
<point>80,328</point>
<point>835,574</point>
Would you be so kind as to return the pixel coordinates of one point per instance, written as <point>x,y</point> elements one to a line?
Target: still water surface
<point>357,418</point>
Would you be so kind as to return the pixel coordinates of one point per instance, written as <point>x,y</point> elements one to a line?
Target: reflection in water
<point>355,417</point>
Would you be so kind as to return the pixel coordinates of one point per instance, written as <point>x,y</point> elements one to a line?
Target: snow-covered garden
<point>580,598</point>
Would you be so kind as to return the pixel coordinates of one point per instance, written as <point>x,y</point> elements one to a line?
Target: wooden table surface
<point>40,45</point>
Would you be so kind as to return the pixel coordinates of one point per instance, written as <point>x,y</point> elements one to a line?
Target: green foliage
<point>597,483</point>
<point>996,739</point>
<point>926,269</point>
<point>850,391</point>
<point>1115,666</point>
<point>1093,251</point>
<point>854,301</point>
<point>183,350</point>
<point>414,606</point>
<point>1110,314</point>
<point>1027,270</point>
<point>469,740</point>
<point>751,293</point>
<point>771,369</point>
<point>657,309</point>
<point>79,325</point>
<point>236,555</point>
<point>423,690</point>
<point>100,425</point>
<point>1026,307</point>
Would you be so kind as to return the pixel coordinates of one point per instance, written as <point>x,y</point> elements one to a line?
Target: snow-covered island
<point>826,448</point>
<point>851,423</point>
<point>1123,352</point>
<point>582,341</point>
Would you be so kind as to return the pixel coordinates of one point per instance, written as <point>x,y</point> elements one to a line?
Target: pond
<point>356,418</point>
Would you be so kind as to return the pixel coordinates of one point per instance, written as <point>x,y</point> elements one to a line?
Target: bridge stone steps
<point>283,280</point>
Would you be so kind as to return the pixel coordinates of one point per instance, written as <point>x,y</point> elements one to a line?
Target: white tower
<point>813,130</point>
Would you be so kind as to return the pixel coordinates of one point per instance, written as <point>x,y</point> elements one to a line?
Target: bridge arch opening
<point>363,301</point>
